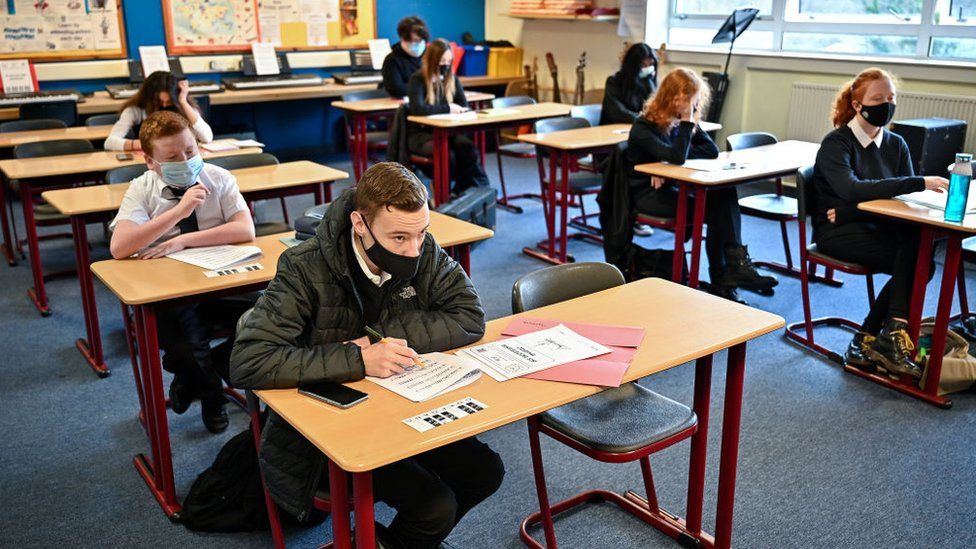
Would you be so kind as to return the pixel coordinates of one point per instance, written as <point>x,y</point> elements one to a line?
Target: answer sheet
<point>214,258</point>
<point>937,200</point>
<point>441,373</point>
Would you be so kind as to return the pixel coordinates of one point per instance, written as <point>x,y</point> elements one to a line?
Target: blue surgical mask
<point>646,72</point>
<point>183,173</point>
<point>418,48</point>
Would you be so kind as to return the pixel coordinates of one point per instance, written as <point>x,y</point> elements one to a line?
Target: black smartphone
<point>123,156</point>
<point>336,394</point>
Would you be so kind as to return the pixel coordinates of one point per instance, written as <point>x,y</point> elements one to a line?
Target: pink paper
<point>592,371</point>
<point>604,334</point>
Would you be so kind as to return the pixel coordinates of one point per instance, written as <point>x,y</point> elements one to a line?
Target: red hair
<point>854,90</point>
<point>661,109</point>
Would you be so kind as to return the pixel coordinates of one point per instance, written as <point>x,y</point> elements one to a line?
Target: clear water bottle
<point>959,179</point>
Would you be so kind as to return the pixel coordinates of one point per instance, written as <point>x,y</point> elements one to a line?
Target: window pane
<point>720,7</point>
<point>957,48</point>
<point>757,40</point>
<point>847,43</point>
<point>852,11</point>
<point>955,12</point>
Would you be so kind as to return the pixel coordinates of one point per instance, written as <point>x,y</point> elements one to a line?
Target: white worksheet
<point>440,374</point>
<point>153,59</point>
<point>265,60</point>
<point>215,258</point>
<point>937,200</point>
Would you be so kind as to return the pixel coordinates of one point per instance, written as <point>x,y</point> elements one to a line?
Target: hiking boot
<point>741,273</point>
<point>214,416</point>
<point>857,352</point>
<point>892,350</point>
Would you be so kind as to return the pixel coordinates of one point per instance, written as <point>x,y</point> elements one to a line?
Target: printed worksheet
<point>440,374</point>
<point>214,258</point>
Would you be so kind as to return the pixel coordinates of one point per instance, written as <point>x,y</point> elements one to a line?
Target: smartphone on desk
<point>336,394</point>
<point>121,157</point>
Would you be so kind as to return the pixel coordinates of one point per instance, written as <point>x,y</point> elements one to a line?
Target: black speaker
<point>719,84</point>
<point>933,143</point>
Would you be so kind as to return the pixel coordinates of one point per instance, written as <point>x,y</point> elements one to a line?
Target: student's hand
<point>832,215</point>
<point>194,197</point>
<point>184,88</point>
<point>383,359</point>
<point>457,109</point>
<point>172,245</point>
<point>936,183</point>
<point>684,109</point>
<point>135,145</point>
<point>657,182</point>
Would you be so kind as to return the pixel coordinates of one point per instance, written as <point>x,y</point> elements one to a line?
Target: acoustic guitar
<point>580,80</point>
<point>554,72</point>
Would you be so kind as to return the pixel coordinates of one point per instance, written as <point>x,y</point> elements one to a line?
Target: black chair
<point>239,161</point>
<point>66,111</point>
<point>102,119</point>
<point>618,425</point>
<point>56,147</point>
<point>125,174</point>
<point>516,149</point>
<point>581,183</point>
<point>810,258</point>
<point>592,115</point>
<point>30,125</point>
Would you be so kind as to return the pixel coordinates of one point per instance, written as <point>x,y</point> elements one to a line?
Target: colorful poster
<point>71,32</point>
<point>213,23</point>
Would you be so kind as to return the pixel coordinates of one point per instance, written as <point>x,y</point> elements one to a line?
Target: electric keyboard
<point>276,81</point>
<point>18,99</point>
<point>125,91</point>
<point>352,78</point>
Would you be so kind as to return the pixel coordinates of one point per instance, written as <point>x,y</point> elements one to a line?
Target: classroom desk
<point>98,203</point>
<point>148,285</point>
<point>766,162</point>
<point>58,172</point>
<point>933,226</point>
<point>358,113</point>
<point>9,140</point>
<point>443,129</point>
<point>351,447</point>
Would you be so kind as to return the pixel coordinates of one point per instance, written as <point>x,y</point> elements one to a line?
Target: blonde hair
<point>680,82</point>
<point>430,69</point>
<point>854,90</point>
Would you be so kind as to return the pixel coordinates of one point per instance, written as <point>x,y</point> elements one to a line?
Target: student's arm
<point>116,140</point>
<point>653,147</point>
<point>834,162</point>
<point>393,82</point>
<point>459,98</point>
<point>418,100</point>
<point>702,145</point>
<point>454,316</point>
<point>270,350</point>
<point>615,110</point>
<point>135,230</point>
<point>239,228</point>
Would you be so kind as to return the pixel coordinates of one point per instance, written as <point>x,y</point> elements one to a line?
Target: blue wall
<point>301,127</point>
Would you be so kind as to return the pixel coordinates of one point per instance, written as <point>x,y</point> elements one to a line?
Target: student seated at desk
<point>373,264</point>
<point>181,202</point>
<point>434,89</point>
<point>404,57</point>
<point>628,89</point>
<point>668,131</point>
<point>859,161</point>
<point>160,92</point>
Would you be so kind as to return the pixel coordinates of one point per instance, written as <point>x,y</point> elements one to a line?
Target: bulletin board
<point>48,30</point>
<point>212,26</point>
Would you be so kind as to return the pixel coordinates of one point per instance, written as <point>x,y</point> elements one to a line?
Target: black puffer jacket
<point>297,330</point>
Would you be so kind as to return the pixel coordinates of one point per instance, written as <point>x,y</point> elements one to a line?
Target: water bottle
<point>962,174</point>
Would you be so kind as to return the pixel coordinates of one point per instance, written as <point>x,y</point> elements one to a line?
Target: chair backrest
<point>30,125</point>
<point>512,101</point>
<point>203,103</point>
<point>561,282</point>
<point>66,111</point>
<point>125,174</point>
<point>804,192</point>
<point>590,112</point>
<point>594,96</point>
<point>56,147</point>
<point>238,161</point>
<point>365,94</point>
<point>748,140</point>
<point>102,119</point>
<point>549,125</point>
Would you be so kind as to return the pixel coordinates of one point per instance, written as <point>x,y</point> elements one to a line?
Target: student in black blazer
<point>435,89</point>
<point>861,160</point>
<point>668,131</point>
<point>628,88</point>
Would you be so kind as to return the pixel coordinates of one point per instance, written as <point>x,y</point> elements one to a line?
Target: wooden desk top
<point>92,133</point>
<point>481,81</point>
<point>97,161</point>
<point>582,138</point>
<point>522,113</point>
<point>392,103</point>
<point>140,282</point>
<point>350,437</point>
<point>107,198</point>
<point>760,162</point>
<point>917,213</point>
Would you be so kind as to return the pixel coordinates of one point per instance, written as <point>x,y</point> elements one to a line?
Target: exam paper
<point>218,146</point>
<point>214,258</point>
<point>246,143</point>
<point>509,358</point>
<point>469,115</point>
<point>441,373</point>
<point>500,111</point>
<point>713,164</point>
<point>937,200</point>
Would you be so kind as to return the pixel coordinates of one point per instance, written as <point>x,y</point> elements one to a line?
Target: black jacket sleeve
<point>614,109</point>
<point>393,81</point>
<point>834,162</point>
<point>702,145</point>
<point>459,96</point>
<point>418,99</point>
<point>651,146</point>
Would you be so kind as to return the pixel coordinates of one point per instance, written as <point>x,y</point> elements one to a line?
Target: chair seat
<point>969,245</point>
<point>377,138</point>
<point>586,161</point>
<point>583,181</point>
<point>655,221</point>
<point>770,205</point>
<point>421,160</point>
<point>846,266</point>
<point>524,150</point>
<point>621,419</point>
<point>271,227</point>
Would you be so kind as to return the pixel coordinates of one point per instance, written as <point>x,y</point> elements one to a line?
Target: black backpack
<point>640,263</point>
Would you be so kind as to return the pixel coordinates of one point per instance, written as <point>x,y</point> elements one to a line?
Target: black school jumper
<point>846,174</point>
<point>622,106</point>
<point>397,69</point>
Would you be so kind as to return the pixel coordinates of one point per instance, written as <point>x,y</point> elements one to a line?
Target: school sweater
<point>397,69</point>
<point>620,107</point>
<point>648,143</point>
<point>417,91</point>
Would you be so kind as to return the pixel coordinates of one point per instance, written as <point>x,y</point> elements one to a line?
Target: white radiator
<point>810,106</point>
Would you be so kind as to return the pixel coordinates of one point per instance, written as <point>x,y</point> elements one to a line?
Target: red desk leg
<point>699,445</point>
<point>442,166</point>
<point>546,249</point>
<point>563,207</point>
<point>698,223</point>
<point>339,496</point>
<point>728,461</point>
<point>922,266</point>
<point>158,474</point>
<point>358,137</point>
<point>949,274</point>
<point>462,253</point>
<point>38,293</point>
<point>680,221</point>
<point>8,243</point>
<point>362,493</point>
<point>91,348</point>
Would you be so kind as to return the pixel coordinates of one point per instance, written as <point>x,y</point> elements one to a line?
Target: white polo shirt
<point>147,198</point>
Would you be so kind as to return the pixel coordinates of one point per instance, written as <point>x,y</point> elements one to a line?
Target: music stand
<point>734,26</point>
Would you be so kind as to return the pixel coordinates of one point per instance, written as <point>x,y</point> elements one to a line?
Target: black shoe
<point>857,350</point>
<point>741,273</point>
<point>892,350</point>
<point>214,416</point>
<point>726,292</point>
<point>180,395</point>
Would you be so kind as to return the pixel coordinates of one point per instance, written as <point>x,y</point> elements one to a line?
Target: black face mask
<point>399,266</point>
<point>445,70</point>
<point>878,115</point>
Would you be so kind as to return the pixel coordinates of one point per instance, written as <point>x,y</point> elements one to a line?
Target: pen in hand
<point>383,339</point>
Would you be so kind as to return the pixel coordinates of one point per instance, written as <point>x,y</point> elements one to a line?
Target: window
<point>919,29</point>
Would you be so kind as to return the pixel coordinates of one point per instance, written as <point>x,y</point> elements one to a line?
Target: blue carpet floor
<point>826,459</point>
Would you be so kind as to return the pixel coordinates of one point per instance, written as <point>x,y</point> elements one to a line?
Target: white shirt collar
<point>862,137</point>
<point>379,279</point>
